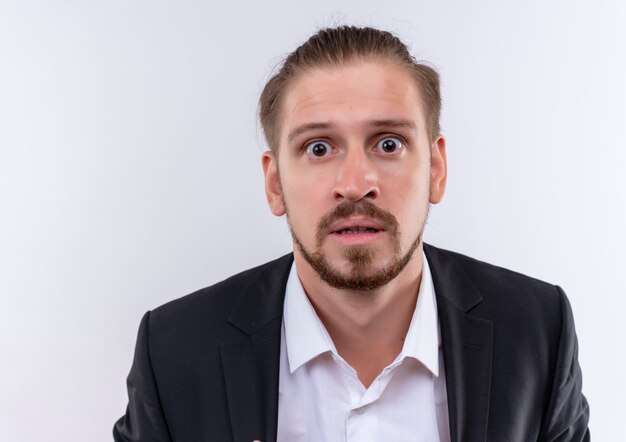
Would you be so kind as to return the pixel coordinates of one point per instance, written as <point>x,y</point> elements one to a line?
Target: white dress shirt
<point>321,398</point>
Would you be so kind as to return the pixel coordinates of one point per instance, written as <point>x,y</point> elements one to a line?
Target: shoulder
<point>505,296</point>
<point>488,278</point>
<point>206,311</point>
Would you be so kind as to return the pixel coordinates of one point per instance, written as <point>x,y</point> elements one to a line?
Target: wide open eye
<point>389,145</point>
<point>318,149</point>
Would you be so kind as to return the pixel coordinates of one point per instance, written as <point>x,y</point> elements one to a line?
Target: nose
<point>356,178</point>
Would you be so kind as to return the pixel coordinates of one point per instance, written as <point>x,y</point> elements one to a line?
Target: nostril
<point>355,195</point>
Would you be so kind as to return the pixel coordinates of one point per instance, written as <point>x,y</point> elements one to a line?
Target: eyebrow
<point>391,123</point>
<point>307,128</point>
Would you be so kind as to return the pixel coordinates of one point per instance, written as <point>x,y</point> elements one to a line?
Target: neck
<point>367,328</point>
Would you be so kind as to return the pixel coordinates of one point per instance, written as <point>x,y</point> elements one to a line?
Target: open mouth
<point>355,230</point>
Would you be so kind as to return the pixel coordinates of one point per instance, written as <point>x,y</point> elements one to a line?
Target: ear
<point>273,189</point>
<point>438,170</point>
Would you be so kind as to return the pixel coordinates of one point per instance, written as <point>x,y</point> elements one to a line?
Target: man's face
<point>356,171</point>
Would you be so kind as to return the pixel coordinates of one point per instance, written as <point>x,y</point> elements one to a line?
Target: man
<point>364,332</point>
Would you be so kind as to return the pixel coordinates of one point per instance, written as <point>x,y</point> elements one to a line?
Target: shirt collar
<point>306,337</point>
<point>422,339</point>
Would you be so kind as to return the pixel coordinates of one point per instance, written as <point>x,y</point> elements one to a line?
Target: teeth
<point>357,230</point>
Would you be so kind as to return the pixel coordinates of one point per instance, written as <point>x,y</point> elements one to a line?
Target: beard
<point>361,277</point>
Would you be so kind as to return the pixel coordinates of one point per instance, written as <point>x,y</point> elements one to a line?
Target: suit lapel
<point>467,347</point>
<point>251,364</point>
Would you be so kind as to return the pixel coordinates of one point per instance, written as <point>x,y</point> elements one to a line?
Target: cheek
<point>410,182</point>
<point>408,194</point>
<point>306,199</point>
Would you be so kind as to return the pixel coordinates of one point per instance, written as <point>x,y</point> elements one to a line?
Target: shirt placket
<point>362,419</point>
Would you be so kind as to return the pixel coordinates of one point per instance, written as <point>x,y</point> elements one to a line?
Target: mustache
<point>362,207</point>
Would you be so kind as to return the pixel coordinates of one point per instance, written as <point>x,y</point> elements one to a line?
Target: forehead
<point>352,95</point>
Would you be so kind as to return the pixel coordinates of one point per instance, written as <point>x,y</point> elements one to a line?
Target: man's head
<point>355,154</point>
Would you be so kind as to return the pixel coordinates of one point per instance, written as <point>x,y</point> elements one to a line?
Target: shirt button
<point>360,410</point>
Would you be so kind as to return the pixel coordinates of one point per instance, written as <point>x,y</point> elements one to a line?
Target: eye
<point>389,145</point>
<point>318,149</point>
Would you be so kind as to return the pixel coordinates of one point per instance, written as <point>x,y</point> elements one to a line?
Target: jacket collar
<point>261,301</point>
<point>251,363</point>
<point>467,346</point>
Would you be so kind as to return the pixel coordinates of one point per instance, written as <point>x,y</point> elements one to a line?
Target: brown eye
<point>389,145</point>
<point>318,149</point>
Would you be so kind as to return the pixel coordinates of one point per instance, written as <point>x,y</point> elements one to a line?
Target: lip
<point>360,238</point>
<point>353,222</point>
<point>353,239</point>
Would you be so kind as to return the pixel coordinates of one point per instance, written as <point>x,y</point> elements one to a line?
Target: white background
<point>130,173</point>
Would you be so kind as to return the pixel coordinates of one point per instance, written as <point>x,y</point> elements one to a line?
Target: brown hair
<point>336,47</point>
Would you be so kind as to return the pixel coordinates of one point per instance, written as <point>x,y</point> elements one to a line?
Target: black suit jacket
<point>206,366</point>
